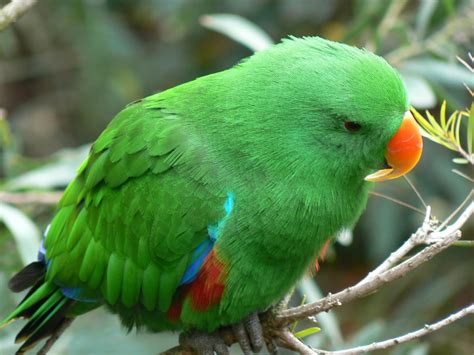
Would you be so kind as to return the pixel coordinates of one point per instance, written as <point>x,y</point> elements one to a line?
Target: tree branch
<point>372,283</point>
<point>461,23</point>
<point>13,11</point>
<point>30,198</point>
<point>428,328</point>
<point>289,341</point>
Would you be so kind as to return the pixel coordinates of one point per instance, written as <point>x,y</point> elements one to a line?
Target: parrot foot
<point>204,343</point>
<point>249,334</point>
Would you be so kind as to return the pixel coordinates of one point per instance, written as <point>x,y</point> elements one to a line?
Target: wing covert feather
<point>129,222</point>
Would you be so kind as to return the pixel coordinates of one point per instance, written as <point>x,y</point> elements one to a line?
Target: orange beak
<point>403,151</point>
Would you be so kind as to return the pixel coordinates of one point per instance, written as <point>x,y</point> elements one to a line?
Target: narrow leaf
<point>307,332</point>
<point>433,122</point>
<point>239,29</point>
<point>443,115</point>
<point>458,126</point>
<point>464,243</point>
<point>27,235</point>
<point>470,129</point>
<point>423,122</point>
<point>460,161</point>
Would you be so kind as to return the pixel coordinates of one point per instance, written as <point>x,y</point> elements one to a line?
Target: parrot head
<point>328,105</point>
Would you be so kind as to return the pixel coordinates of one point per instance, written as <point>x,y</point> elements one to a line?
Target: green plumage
<point>271,132</point>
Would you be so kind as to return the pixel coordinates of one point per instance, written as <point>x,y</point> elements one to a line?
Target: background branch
<point>30,198</point>
<point>13,11</point>
<point>428,328</point>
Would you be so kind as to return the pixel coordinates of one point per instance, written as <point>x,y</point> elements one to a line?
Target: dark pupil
<point>351,126</point>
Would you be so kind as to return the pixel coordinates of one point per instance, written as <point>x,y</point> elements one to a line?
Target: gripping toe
<point>204,343</point>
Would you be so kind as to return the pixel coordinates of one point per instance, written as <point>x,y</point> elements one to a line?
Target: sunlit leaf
<point>460,161</point>
<point>27,235</point>
<point>457,133</point>
<point>464,243</point>
<point>442,72</point>
<point>423,122</point>
<point>470,129</point>
<point>443,115</point>
<point>307,332</point>
<point>239,29</point>
<point>433,122</point>
<point>328,321</point>
<point>5,133</point>
<point>54,175</point>
<point>420,93</point>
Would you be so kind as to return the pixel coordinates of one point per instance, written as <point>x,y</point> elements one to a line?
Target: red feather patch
<point>174,312</point>
<point>208,287</point>
<point>322,254</point>
<point>205,291</point>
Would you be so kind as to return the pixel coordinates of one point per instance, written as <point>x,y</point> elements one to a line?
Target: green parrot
<point>203,205</point>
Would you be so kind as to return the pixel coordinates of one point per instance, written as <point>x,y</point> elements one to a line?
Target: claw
<point>204,343</point>
<point>249,334</point>
<point>241,335</point>
<point>255,332</point>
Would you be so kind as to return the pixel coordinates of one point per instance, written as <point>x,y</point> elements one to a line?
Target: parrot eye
<point>352,126</point>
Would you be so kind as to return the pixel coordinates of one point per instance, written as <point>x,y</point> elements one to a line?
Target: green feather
<point>132,279</point>
<point>150,286</point>
<point>114,278</point>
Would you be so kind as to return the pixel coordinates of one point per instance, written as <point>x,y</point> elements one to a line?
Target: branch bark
<point>428,328</point>
<point>374,281</point>
<point>13,11</point>
<point>30,198</point>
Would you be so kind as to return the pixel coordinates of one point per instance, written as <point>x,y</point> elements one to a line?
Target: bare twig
<point>457,210</point>
<point>30,198</point>
<point>441,239</point>
<point>388,21</point>
<point>402,251</point>
<point>289,341</point>
<point>415,190</point>
<point>12,11</point>
<point>391,16</point>
<point>398,202</point>
<point>428,328</point>
<point>461,23</point>
<point>457,172</point>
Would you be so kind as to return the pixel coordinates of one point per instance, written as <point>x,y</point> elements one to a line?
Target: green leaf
<point>26,234</point>
<point>460,161</point>
<point>442,115</point>
<point>239,29</point>
<point>470,129</point>
<point>54,175</point>
<point>307,332</point>
<point>464,243</point>
<point>420,93</point>
<point>328,321</point>
<point>5,133</point>
<point>449,74</point>
<point>423,16</point>
<point>457,133</point>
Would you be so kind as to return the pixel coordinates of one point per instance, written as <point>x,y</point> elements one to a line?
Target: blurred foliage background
<point>67,67</point>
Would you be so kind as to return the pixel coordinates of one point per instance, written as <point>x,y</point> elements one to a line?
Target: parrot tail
<point>44,306</point>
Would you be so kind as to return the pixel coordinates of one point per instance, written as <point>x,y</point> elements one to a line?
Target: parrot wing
<point>136,217</point>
